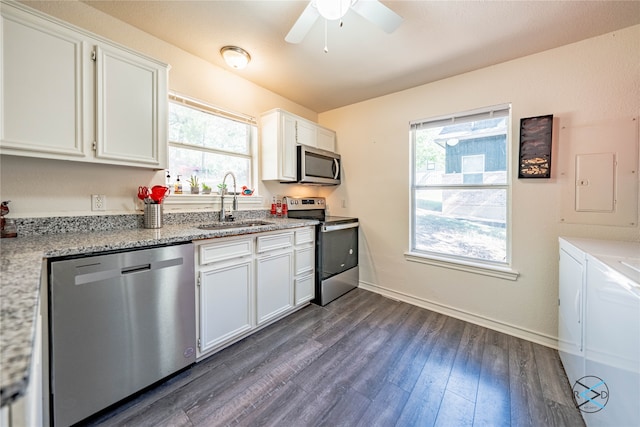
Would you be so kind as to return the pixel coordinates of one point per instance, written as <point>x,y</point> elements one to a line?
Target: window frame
<point>252,155</point>
<point>501,270</point>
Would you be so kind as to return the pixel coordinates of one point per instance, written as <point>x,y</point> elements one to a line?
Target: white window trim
<point>213,200</point>
<point>486,268</point>
<point>208,108</point>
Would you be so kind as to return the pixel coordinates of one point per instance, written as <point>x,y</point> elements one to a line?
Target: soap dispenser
<point>178,187</point>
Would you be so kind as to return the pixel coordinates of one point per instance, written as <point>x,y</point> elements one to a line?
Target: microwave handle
<point>336,168</point>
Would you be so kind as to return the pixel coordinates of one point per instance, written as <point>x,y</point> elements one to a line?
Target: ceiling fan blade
<point>302,26</point>
<point>379,14</point>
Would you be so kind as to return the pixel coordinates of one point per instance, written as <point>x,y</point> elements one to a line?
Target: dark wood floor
<point>364,360</point>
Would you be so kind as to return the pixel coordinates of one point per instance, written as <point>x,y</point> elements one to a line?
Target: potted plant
<point>205,189</point>
<point>222,188</point>
<point>195,186</point>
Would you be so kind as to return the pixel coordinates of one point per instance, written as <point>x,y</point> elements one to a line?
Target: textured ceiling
<point>437,39</point>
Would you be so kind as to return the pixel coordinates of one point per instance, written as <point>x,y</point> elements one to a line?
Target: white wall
<point>52,188</point>
<point>596,80</point>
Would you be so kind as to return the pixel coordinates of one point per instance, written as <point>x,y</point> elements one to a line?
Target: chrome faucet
<point>234,206</point>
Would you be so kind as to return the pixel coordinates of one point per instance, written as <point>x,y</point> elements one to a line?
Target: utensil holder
<point>153,215</point>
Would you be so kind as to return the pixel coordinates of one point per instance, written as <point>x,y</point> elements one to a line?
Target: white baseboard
<point>526,334</point>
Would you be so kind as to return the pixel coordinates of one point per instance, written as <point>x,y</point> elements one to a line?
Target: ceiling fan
<point>332,10</point>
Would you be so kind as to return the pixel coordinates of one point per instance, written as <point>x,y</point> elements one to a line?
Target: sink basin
<point>233,224</point>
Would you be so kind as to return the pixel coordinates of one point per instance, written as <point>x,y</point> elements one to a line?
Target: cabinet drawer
<point>275,241</point>
<point>306,235</point>
<point>304,289</point>
<point>304,260</point>
<point>221,251</point>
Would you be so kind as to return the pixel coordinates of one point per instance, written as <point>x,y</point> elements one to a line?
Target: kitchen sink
<point>233,224</point>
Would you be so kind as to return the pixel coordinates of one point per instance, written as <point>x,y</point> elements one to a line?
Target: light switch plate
<point>98,202</point>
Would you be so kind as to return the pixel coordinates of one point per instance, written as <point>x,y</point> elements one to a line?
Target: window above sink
<point>206,142</point>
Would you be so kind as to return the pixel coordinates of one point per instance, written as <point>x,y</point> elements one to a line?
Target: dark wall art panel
<point>535,147</point>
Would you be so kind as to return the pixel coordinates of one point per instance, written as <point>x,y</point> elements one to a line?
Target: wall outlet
<point>98,202</point>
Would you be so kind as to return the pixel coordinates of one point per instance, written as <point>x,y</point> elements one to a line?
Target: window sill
<point>177,200</point>
<point>468,266</point>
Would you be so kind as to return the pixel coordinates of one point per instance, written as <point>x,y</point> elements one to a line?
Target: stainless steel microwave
<point>318,167</point>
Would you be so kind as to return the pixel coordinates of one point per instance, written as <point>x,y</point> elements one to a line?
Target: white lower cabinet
<point>274,277</point>
<point>225,303</point>
<point>304,289</point>
<point>245,283</point>
<point>274,284</point>
<point>304,263</point>
<point>224,280</point>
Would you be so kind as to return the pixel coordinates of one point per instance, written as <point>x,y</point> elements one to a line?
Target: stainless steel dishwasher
<point>118,323</point>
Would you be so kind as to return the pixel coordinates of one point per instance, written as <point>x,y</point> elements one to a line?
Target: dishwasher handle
<point>136,269</point>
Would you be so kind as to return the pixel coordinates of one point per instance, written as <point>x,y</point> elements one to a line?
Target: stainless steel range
<point>336,248</point>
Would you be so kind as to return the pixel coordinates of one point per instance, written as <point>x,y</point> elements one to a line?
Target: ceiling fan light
<point>235,57</point>
<point>333,9</point>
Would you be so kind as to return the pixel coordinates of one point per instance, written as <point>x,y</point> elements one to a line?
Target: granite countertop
<point>21,263</point>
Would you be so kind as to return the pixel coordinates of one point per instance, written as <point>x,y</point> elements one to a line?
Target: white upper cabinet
<point>326,139</point>
<point>128,107</point>
<point>42,88</point>
<point>278,146</point>
<point>306,133</point>
<point>70,95</point>
<point>281,132</point>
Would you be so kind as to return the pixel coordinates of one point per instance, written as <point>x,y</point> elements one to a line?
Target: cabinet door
<point>278,146</point>
<point>131,97</point>
<point>274,285</point>
<point>304,260</point>
<point>326,139</point>
<point>304,289</point>
<point>287,149</point>
<point>306,133</point>
<point>42,82</point>
<point>225,303</point>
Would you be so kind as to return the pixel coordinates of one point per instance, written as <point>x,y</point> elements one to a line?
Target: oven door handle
<point>329,228</point>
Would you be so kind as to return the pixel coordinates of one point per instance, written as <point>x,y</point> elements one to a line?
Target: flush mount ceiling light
<point>333,9</point>
<point>235,56</point>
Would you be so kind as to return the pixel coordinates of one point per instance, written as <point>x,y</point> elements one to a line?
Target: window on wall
<point>207,142</point>
<point>460,187</point>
